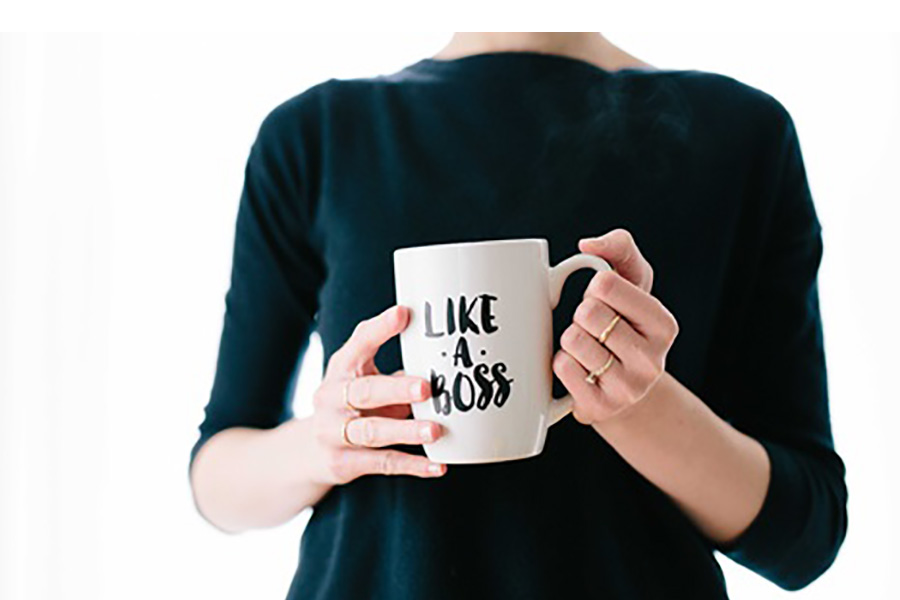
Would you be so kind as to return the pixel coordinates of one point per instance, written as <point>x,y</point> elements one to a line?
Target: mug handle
<point>560,407</point>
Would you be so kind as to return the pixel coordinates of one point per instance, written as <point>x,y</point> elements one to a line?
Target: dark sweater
<point>707,174</point>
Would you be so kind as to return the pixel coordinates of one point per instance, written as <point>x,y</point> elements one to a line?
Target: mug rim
<point>470,244</point>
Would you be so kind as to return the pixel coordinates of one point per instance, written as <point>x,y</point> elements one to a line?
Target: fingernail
<point>427,433</point>
<point>416,389</point>
<point>435,468</point>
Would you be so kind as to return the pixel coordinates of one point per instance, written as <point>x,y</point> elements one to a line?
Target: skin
<point>716,474</point>
<point>246,478</point>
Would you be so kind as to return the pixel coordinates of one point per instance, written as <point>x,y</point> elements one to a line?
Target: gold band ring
<point>604,335</point>
<point>344,435</point>
<point>594,376</point>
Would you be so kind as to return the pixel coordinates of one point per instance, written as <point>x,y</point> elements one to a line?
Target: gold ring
<point>344,435</point>
<point>604,335</point>
<point>347,396</point>
<point>594,376</point>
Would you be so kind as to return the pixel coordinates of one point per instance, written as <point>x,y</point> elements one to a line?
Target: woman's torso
<point>509,145</point>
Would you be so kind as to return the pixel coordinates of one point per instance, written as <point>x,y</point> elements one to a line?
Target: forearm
<point>716,474</point>
<point>246,478</point>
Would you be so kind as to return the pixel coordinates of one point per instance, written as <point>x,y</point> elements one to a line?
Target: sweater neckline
<point>512,58</point>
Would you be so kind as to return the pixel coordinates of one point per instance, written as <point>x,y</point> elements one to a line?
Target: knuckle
<point>668,318</point>
<point>607,281</point>
<point>587,311</point>
<point>360,329</point>
<point>386,462</point>
<point>411,432</point>
<point>368,431</point>
<point>570,336</point>
<point>674,327</point>
<point>335,359</point>
<point>603,283</point>
<point>669,328</point>
<point>358,391</point>
<point>581,412</point>
<point>363,389</point>
<point>394,462</point>
<point>558,359</point>
<point>624,234</point>
<point>563,364</point>
<point>623,238</point>
<point>581,417</point>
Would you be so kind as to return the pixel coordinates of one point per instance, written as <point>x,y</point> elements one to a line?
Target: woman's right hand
<point>375,408</point>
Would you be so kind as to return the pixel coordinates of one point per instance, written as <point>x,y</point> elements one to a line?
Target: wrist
<point>295,454</point>
<point>629,418</point>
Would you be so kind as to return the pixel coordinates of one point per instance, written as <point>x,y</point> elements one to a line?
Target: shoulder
<point>731,104</point>
<point>331,93</point>
<point>724,86</point>
<point>723,113</point>
<point>325,103</point>
<point>295,111</point>
<point>753,125</point>
<point>296,123</point>
<point>728,93</point>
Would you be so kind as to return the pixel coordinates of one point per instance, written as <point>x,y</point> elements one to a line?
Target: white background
<point>121,162</point>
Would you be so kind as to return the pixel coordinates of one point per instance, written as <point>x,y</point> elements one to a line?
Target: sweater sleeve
<point>276,273</point>
<point>779,378</point>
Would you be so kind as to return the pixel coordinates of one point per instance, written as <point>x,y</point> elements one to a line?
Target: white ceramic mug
<point>481,330</point>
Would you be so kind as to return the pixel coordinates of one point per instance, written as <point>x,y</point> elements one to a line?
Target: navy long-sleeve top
<point>707,174</point>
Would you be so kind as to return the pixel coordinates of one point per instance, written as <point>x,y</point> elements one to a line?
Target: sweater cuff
<point>767,545</point>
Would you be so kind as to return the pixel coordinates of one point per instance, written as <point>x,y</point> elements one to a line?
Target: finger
<point>640,359</point>
<point>620,250</point>
<point>368,336</point>
<point>638,363</point>
<point>592,402</point>
<point>393,462</point>
<point>645,313</point>
<point>393,411</point>
<point>377,432</point>
<point>373,391</point>
<point>584,347</point>
<point>594,316</point>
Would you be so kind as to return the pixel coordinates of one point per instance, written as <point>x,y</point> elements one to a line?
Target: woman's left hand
<point>636,346</point>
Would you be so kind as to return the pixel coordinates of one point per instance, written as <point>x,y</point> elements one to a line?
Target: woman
<point>717,438</point>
